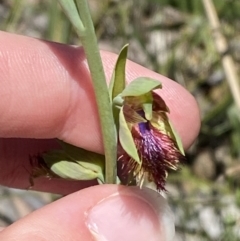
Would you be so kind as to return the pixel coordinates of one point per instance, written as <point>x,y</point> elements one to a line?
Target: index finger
<point>46,92</point>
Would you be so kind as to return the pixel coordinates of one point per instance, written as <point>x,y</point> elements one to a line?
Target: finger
<point>46,92</point>
<point>106,212</point>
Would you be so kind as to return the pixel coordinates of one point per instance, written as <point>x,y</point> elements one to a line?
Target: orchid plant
<point>140,143</point>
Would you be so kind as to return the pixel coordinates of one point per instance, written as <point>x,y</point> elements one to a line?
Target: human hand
<point>46,93</point>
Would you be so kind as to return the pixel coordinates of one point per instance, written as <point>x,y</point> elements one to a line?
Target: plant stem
<point>69,7</point>
<point>90,46</point>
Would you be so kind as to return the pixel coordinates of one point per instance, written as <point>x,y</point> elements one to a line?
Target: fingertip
<point>134,214</point>
<point>106,212</point>
<point>66,108</point>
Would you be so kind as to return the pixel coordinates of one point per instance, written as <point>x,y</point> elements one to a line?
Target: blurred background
<point>197,44</point>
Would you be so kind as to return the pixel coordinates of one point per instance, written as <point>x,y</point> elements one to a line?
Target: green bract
<point>141,86</point>
<point>75,163</point>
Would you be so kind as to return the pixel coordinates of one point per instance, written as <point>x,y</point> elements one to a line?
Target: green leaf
<point>75,163</point>
<point>126,139</point>
<point>118,81</point>
<point>78,153</point>
<point>70,10</point>
<point>141,86</point>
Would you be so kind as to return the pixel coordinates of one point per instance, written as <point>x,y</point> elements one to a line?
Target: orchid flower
<point>148,145</point>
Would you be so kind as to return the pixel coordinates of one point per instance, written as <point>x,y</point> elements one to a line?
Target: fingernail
<point>132,214</point>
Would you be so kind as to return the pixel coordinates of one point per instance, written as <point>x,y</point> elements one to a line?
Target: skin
<point>46,93</point>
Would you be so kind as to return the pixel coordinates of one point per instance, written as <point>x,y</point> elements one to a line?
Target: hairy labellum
<point>154,140</point>
<point>158,154</point>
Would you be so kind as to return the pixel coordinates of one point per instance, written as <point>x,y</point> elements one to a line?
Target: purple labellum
<point>157,151</point>
<point>143,127</point>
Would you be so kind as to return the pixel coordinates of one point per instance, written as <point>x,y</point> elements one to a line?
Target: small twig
<point>222,47</point>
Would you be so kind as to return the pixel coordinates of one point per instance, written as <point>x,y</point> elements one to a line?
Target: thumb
<point>103,213</point>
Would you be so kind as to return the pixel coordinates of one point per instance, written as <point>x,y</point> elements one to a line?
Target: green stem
<point>90,46</point>
<point>69,7</point>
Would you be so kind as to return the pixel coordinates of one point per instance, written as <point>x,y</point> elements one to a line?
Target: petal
<point>158,103</point>
<point>126,139</point>
<point>141,86</point>
<point>131,116</point>
<point>117,83</point>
